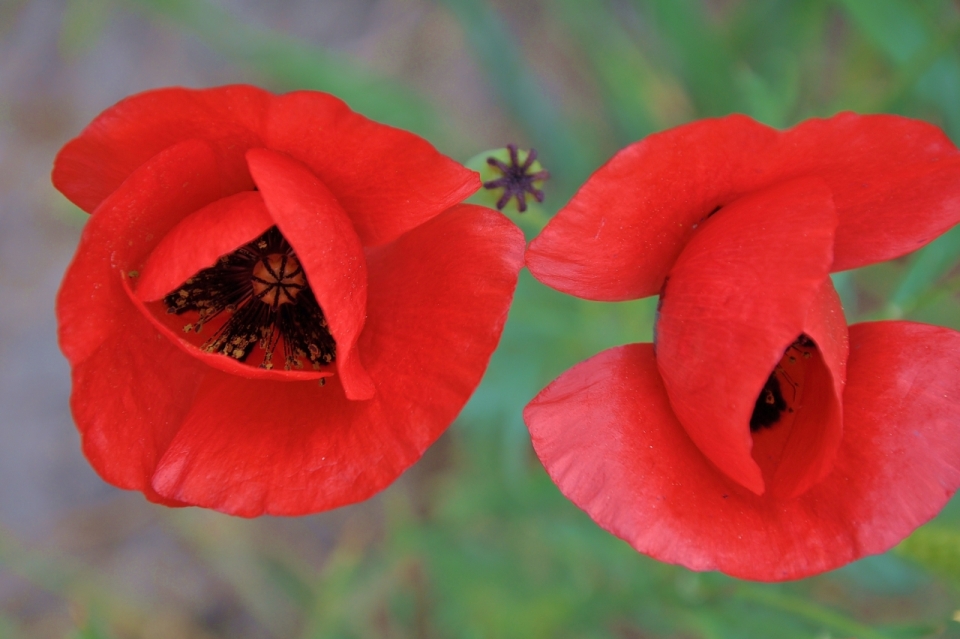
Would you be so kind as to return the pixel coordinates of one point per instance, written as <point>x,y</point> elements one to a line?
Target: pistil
<point>262,290</point>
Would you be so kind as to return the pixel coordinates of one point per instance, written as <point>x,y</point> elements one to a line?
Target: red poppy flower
<point>276,304</point>
<point>758,435</point>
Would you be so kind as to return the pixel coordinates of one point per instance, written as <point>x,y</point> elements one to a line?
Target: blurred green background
<point>474,541</point>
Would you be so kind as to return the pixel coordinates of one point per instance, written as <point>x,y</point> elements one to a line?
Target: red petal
<point>130,386</point>
<point>388,180</point>
<point>620,234</point>
<point>121,234</point>
<point>200,239</point>
<point>129,398</point>
<point>321,235</point>
<point>737,297</point>
<point>438,299</point>
<point>126,135</point>
<point>607,436</point>
<point>895,182</point>
<point>900,458</point>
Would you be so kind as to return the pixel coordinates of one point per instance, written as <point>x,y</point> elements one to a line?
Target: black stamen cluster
<point>267,298</point>
<point>771,404</point>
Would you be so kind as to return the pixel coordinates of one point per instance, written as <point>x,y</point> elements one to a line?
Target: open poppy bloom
<point>277,305</point>
<point>759,435</point>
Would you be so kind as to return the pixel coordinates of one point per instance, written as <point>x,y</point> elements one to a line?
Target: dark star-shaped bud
<point>517,179</point>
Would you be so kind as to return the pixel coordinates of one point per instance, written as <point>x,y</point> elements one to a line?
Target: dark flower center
<point>517,180</point>
<point>771,403</point>
<point>263,292</point>
<point>277,278</point>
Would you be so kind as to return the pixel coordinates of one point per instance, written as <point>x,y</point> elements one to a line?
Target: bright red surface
<point>415,289</point>
<point>895,183</point>
<point>607,434</point>
<point>738,226</point>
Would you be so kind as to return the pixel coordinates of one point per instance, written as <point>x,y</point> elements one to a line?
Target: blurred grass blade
<point>923,51</point>
<point>773,597</point>
<point>926,268</point>
<point>891,25</point>
<point>847,289</point>
<point>223,543</point>
<point>295,65</point>
<point>519,89</point>
<point>626,78</point>
<point>936,548</point>
<point>94,627</point>
<point>705,61</point>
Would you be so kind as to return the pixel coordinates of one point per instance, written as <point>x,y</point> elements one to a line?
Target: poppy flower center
<point>277,278</point>
<point>258,299</point>
<point>781,393</point>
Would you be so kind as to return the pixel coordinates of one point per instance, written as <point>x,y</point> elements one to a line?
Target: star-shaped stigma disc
<point>277,278</point>
<point>517,179</point>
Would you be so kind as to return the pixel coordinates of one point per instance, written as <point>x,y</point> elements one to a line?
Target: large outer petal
<point>895,182</point>
<point>388,180</point>
<point>438,299</point>
<point>131,386</point>
<point>737,297</point>
<point>321,235</point>
<point>606,434</point>
<point>129,133</point>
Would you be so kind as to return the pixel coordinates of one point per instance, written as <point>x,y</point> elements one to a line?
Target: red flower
<point>757,436</point>
<point>277,305</point>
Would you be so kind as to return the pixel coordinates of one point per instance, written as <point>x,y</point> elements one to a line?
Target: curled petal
<point>387,180</point>
<point>620,234</point>
<point>200,239</point>
<point>895,183</point>
<point>607,436</point>
<point>438,299</point>
<point>737,298</point>
<point>320,233</point>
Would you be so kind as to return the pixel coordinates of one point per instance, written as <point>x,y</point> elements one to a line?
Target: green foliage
<point>936,548</point>
<point>289,63</point>
<point>521,92</point>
